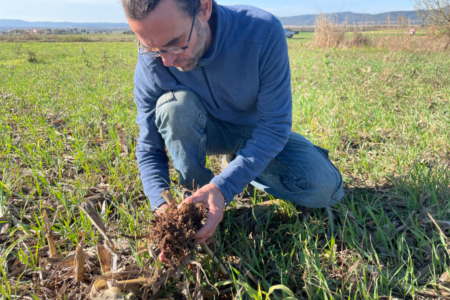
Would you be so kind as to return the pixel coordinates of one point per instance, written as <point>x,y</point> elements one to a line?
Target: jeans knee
<point>177,109</point>
<point>327,189</point>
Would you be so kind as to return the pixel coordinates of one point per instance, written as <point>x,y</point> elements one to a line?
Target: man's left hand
<point>211,197</point>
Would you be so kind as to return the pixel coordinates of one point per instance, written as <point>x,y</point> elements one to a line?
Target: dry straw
<point>330,34</point>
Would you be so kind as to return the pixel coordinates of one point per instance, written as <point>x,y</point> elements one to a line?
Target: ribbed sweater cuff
<point>224,188</point>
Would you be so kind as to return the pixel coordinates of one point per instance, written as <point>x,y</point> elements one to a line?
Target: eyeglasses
<point>172,50</point>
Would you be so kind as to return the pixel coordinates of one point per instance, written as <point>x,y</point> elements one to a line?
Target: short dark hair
<point>139,9</point>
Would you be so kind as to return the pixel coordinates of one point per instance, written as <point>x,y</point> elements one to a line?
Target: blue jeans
<point>301,173</point>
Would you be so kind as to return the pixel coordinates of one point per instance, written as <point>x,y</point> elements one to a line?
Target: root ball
<point>174,231</point>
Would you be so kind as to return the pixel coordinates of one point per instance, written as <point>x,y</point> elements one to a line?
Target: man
<point>215,80</point>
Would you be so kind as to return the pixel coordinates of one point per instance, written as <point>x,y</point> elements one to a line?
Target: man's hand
<point>211,197</point>
<point>161,209</point>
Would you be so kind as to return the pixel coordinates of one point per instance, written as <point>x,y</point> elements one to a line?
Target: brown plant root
<point>174,231</point>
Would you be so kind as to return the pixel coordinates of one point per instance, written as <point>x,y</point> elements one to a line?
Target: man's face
<point>165,27</point>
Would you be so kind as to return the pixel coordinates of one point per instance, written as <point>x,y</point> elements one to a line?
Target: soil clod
<point>174,231</point>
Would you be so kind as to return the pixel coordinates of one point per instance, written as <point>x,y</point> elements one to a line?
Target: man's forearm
<point>154,175</point>
<point>251,161</point>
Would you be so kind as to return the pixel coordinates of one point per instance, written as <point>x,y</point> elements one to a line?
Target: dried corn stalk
<point>96,220</point>
<point>79,258</point>
<point>104,257</point>
<point>122,140</point>
<point>49,234</point>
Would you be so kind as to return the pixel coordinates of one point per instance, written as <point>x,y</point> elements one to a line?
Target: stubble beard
<point>198,51</point>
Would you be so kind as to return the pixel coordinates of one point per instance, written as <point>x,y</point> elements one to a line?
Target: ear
<point>205,10</point>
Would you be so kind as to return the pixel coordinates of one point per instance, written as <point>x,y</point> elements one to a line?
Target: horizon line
<point>124,22</point>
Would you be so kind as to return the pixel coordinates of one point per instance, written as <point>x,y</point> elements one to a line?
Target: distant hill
<point>5,23</point>
<point>352,18</point>
<point>302,20</point>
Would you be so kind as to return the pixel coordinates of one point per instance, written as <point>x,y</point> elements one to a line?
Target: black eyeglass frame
<point>172,50</point>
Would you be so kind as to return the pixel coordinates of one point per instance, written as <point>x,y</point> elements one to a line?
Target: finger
<point>210,226</point>
<point>200,198</point>
<point>158,211</point>
<point>201,241</point>
<point>188,200</point>
<point>162,258</point>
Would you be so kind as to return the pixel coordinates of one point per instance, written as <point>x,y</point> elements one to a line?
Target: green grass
<point>304,37</point>
<point>398,31</point>
<point>384,116</point>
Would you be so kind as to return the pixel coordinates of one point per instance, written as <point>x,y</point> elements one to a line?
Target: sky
<point>111,10</point>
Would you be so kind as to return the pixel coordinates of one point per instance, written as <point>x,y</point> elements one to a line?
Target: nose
<point>168,58</point>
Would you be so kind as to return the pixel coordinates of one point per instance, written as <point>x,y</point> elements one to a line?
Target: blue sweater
<point>244,78</point>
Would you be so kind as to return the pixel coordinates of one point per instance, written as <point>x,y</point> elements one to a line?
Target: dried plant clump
<point>174,231</point>
<point>359,39</point>
<point>328,33</point>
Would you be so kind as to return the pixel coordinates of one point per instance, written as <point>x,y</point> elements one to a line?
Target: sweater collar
<point>218,35</point>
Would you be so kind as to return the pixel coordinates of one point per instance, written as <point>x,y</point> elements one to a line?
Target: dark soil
<point>174,231</point>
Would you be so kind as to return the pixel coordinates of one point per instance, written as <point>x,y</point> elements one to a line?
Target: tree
<point>436,13</point>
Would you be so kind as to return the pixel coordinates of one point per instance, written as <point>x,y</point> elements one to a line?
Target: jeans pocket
<point>289,172</point>
<point>295,186</point>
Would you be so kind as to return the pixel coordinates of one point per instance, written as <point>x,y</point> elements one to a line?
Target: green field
<point>67,132</point>
<point>304,37</point>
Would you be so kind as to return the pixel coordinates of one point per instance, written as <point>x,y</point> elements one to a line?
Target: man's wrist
<point>223,197</point>
<point>221,184</point>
